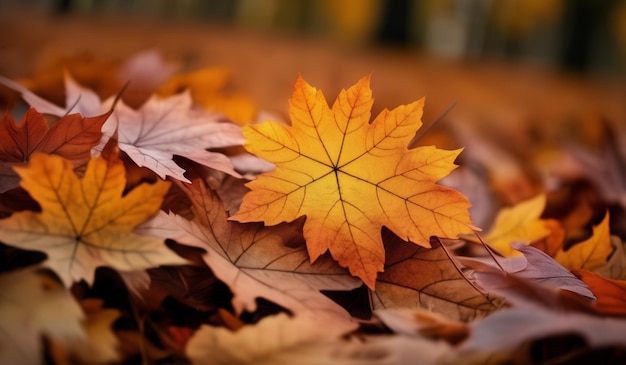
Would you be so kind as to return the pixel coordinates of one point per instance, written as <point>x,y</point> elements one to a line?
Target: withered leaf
<point>417,277</point>
<point>255,261</point>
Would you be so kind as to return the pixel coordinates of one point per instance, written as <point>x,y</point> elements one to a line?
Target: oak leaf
<point>590,254</point>
<point>88,222</point>
<point>71,137</point>
<point>257,261</point>
<point>350,177</point>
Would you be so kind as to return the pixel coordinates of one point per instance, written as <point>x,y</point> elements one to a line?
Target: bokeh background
<point>513,81</point>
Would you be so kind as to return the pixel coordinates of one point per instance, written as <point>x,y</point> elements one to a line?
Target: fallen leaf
<point>194,286</point>
<point>350,178</point>
<point>162,128</point>
<point>418,322</point>
<point>615,267</point>
<point>208,89</point>
<point>86,223</point>
<point>255,261</point>
<point>29,308</point>
<point>416,277</point>
<point>254,343</point>
<point>100,345</point>
<point>282,340</point>
<point>72,137</point>
<point>531,292</point>
<point>526,324</point>
<point>535,267</point>
<point>610,294</point>
<point>153,134</point>
<point>519,223</point>
<point>590,254</point>
<point>553,242</point>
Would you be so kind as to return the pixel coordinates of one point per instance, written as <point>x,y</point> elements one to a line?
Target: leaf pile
<point>145,234</point>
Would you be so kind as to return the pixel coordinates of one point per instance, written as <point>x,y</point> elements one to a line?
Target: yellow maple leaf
<point>519,223</point>
<point>590,254</point>
<point>350,177</point>
<point>86,223</point>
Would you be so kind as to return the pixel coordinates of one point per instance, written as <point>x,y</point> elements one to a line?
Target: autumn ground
<point>542,166</point>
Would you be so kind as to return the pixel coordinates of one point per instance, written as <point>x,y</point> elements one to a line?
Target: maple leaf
<point>416,277</point>
<point>154,133</point>
<point>350,178</point>
<point>254,261</point>
<point>611,294</point>
<point>615,267</point>
<point>85,223</point>
<point>590,254</point>
<point>72,137</point>
<point>164,127</point>
<point>519,223</point>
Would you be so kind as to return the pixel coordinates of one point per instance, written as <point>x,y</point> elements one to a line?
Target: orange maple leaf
<point>610,294</point>
<point>350,178</point>
<point>88,222</point>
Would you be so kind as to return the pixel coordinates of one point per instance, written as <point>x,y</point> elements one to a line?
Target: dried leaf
<point>416,277</point>
<point>86,223</point>
<point>527,324</point>
<point>350,178</point>
<point>30,306</point>
<point>162,128</point>
<point>590,254</point>
<point>254,261</point>
<point>282,340</point>
<point>423,323</point>
<point>100,345</point>
<point>519,223</point>
<point>610,294</point>
<point>535,267</point>
<point>616,265</point>
<point>72,137</point>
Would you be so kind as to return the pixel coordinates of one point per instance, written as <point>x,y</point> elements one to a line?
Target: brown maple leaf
<point>71,137</point>
<point>257,261</point>
<point>416,277</point>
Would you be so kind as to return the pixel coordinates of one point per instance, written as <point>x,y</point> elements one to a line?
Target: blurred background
<point>513,81</point>
<point>578,35</point>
